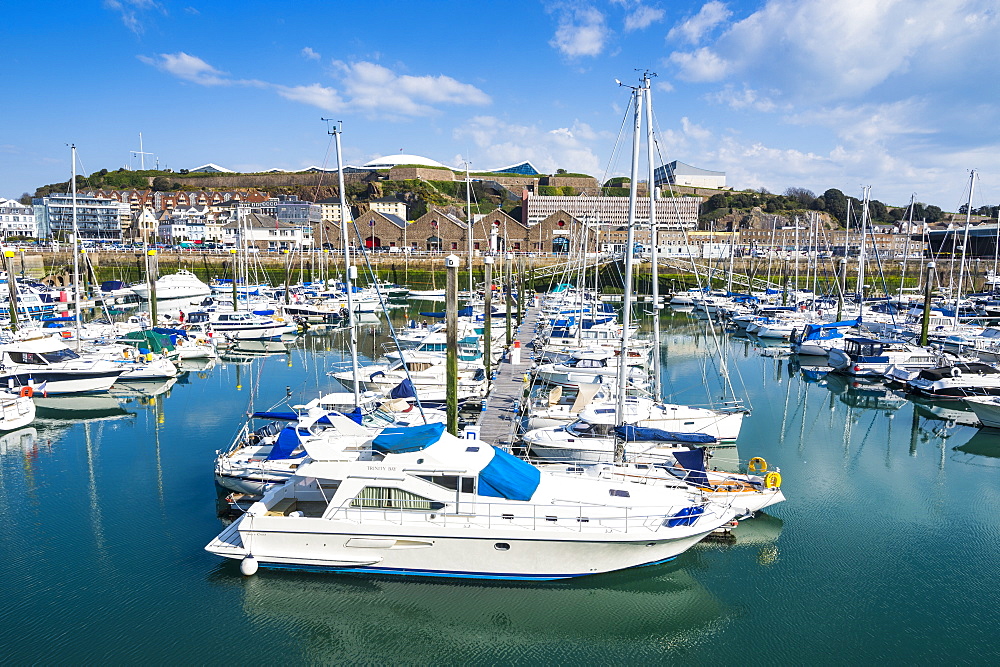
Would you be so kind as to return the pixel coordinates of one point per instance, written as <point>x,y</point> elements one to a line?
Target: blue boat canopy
<point>693,461</point>
<point>827,331</point>
<point>630,433</point>
<point>404,439</point>
<point>403,390</point>
<point>507,476</point>
<point>286,443</point>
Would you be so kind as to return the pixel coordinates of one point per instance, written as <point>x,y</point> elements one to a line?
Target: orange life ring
<point>27,391</point>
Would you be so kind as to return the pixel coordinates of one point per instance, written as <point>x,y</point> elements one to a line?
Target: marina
<point>129,491</point>
<point>322,348</point>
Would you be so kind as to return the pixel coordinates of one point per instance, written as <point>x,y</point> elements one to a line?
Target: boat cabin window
<point>588,363</point>
<point>382,497</point>
<point>585,429</point>
<point>453,482</point>
<point>26,358</point>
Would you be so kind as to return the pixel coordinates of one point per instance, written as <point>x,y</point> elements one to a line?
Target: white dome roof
<point>389,161</point>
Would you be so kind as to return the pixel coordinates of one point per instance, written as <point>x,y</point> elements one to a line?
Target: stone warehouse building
<point>440,231</point>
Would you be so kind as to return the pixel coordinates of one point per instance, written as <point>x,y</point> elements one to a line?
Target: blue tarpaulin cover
<point>507,476</point>
<point>827,331</point>
<point>630,433</point>
<point>694,462</point>
<point>686,517</point>
<point>403,439</point>
<point>438,315</point>
<point>403,390</point>
<point>287,441</point>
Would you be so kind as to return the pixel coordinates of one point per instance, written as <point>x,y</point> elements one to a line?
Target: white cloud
<point>130,12</point>
<point>187,67</point>
<point>380,90</point>
<point>745,99</point>
<point>694,131</point>
<point>366,86</point>
<point>824,50</point>
<point>700,65</point>
<point>498,142</point>
<point>642,17</point>
<point>309,54</point>
<point>315,94</point>
<point>694,28</point>
<point>581,31</point>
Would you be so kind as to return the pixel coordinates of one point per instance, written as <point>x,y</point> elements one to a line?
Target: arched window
<point>434,243</point>
<point>560,244</point>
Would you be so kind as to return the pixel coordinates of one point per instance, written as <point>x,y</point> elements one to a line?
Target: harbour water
<point>884,551</point>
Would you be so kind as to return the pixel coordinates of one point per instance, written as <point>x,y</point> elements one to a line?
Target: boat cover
<point>403,390</point>
<point>507,476</point>
<point>827,331</point>
<point>286,443</point>
<point>630,433</point>
<point>686,517</point>
<point>150,339</point>
<point>694,462</point>
<point>112,285</point>
<point>404,439</point>
<point>438,315</point>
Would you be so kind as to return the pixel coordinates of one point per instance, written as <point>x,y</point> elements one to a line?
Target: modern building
<point>291,209</point>
<point>97,218</point>
<point>679,173</point>
<point>671,212</point>
<point>16,219</point>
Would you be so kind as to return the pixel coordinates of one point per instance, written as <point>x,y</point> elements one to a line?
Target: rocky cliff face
<point>756,218</point>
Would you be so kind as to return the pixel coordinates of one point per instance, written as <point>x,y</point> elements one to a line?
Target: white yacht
<point>418,501</point>
<point>868,357</point>
<point>48,366</point>
<point>180,285</point>
<point>16,409</point>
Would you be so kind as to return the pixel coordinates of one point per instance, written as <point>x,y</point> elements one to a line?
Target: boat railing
<point>575,517</point>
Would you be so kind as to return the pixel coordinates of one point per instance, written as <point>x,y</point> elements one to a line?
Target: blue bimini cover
<point>630,433</point>
<point>694,462</point>
<point>287,441</point>
<point>507,476</point>
<point>403,439</point>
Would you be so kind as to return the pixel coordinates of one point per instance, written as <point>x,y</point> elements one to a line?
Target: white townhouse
<point>16,219</point>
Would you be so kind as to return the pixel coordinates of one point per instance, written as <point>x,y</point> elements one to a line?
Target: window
<point>517,245</point>
<point>381,497</point>
<point>454,245</point>
<point>453,482</point>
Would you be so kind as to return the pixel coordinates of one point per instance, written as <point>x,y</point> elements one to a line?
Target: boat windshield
<point>58,356</point>
<point>584,429</point>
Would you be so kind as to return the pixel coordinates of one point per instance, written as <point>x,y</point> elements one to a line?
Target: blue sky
<point>901,95</point>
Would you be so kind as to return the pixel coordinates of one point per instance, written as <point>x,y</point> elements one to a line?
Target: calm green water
<point>885,550</point>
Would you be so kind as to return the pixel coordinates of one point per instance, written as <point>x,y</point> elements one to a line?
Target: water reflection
<point>985,442</point>
<point>374,619</point>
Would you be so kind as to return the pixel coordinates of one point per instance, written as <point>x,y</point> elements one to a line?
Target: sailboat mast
<point>348,269</point>
<point>965,243</point>
<point>906,249</point>
<point>653,240</point>
<point>76,253</point>
<point>468,219</point>
<point>629,252</point>
<point>861,254</point>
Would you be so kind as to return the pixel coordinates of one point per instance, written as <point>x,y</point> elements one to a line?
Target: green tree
<point>161,184</point>
<point>804,197</point>
<point>835,203</point>
<point>715,202</point>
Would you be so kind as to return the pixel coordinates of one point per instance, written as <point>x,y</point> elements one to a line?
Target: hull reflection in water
<point>18,442</point>
<point>83,407</point>
<point>608,617</point>
<point>985,442</point>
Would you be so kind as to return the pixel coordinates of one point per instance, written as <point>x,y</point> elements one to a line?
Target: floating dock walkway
<point>498,422</point>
